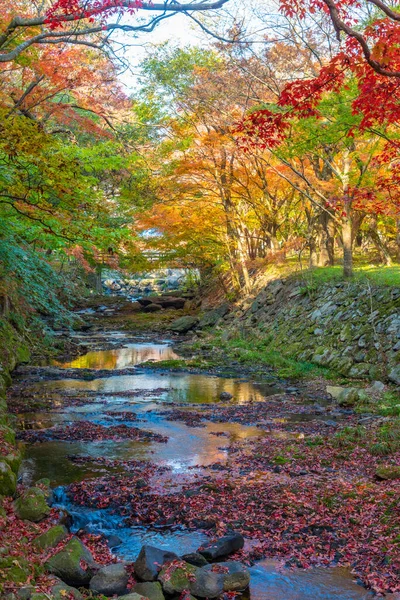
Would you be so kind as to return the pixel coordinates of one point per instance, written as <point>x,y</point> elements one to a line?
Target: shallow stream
<point>146,393</point>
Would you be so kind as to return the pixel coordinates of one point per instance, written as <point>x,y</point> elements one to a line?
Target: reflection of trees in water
<point>120,358</point>
<point>202,388</point>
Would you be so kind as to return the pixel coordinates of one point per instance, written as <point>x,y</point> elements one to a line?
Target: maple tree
<point>82,23</point>
<point>232,187</point>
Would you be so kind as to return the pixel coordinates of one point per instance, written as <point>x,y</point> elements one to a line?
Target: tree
<point>82,22</point>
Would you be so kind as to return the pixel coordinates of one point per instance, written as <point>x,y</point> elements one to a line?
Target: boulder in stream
<point>177,576</point>
<point>212,580</point>
<point>223,546</point>
<point>196,559</point>
<point>225,396</point>
<point>74,564</point>
<point>150,562</point>
<point>149,589</point>
<point>184,324</point>
<point>110,580</point>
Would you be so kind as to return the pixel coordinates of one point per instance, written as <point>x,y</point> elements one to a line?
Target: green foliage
<point>31,284</point>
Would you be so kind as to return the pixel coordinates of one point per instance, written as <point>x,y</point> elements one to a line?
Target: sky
<point>181,31</point>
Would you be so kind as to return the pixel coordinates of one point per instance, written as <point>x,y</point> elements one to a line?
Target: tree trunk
<point>380,244</point>
<point>347,240</point>
<point>313,260</point>
<point>99,287</point>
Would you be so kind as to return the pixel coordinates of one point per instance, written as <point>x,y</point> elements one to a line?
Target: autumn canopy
<point>257,148</point>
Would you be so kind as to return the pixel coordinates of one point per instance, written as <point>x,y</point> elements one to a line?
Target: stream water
<point>145,392</point>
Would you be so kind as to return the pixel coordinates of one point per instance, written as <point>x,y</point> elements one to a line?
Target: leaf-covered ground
<point>313,500</point>
<point>26,560</point>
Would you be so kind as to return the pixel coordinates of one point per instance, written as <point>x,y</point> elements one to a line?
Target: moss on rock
<point>175,577</point>
<point>8,479</point>
<point>388,472</point>
<point>51,537</point>
<point>32,505</point>
<point>73,564</point>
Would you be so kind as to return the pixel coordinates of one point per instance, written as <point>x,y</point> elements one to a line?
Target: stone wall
<point>13,350</point>
<point>351,327</point>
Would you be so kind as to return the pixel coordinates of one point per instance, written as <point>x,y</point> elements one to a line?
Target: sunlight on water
<point>181,387</point>
<point>129,356</point>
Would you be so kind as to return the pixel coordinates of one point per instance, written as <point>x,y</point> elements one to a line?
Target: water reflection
<point>128,356</point>
<point>181,387</point>
<point>186,447</point>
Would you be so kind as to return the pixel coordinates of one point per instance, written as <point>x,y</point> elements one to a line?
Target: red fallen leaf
<point>83,564</point>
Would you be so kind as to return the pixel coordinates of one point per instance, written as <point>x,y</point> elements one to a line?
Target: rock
<point>343,396</point>
<point>110,580</point>
<point>65,519</point>
<point>210,318</point>
<point>133,596</point>
<point>61,591</point>
<point>150,308</point>
<point>51,537</point>
<point>236,577</point>
<point>183,324</point>
<point>8,479</point>
<point>14,459</point>
<point>150,589</point>
<point>74,564</point>
<point>196,559</point>
<point>177,303</point>
<point>32,505</point>
<point>150,562</point>
<point>25,592</point>
<point>223,546</point>
<point>114,541</point>
<point>378,387</point>
<point>177,576</point>
<point>208,583</point>
<point>388,472</point>
<point>394,375</point>
<point>359,370</point>
<point>7,434</point>
<point>145,301</point>
<point>212,580</point>
<point>225,396</point>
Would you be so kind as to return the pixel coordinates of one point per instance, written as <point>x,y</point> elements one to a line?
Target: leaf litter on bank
<point>86,431</point>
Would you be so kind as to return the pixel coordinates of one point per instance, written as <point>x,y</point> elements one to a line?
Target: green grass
<point>388,405</point>
<point>389,276</point>
<point>257,353</point>
<point>383,441</point>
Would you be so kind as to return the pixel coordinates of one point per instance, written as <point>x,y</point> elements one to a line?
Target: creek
<point>147,393</point>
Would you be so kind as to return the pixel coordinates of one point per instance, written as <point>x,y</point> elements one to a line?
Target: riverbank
<point>308,481</point>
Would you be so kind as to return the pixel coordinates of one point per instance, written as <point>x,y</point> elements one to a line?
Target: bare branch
<point>19,24</point>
